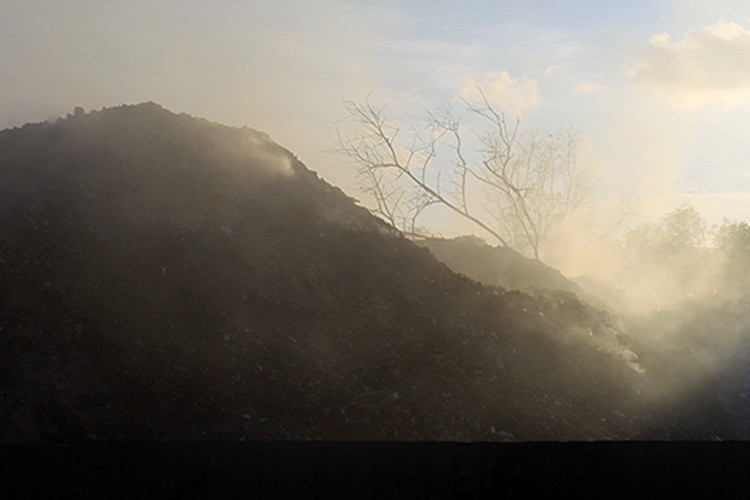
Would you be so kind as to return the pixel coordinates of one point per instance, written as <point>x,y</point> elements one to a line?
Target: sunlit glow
<point>659,102</point>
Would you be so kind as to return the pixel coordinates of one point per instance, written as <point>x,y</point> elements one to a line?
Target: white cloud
<point>709,64</point>
<point>587,88</point>
<point>512,95</point>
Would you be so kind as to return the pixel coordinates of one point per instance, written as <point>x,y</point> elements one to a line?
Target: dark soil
<point>167,278</point>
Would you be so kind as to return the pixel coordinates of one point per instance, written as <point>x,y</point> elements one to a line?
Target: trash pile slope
<point>687,386</point>
<point>165,277</point>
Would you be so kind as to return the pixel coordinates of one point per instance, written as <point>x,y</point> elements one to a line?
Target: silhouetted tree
<point>732,240</point>
<point>531,181</point>
<point>680,231</point>
<point>684,228</point>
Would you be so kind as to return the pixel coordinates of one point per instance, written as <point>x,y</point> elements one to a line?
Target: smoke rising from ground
<point>679,287</point>
<point>260,151</point>
<point>655,265</point>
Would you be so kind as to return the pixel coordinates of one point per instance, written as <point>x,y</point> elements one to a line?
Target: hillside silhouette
<point>501,266</point>
<point>170,278</point>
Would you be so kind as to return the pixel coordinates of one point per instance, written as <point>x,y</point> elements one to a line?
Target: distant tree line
<point>705,259</point>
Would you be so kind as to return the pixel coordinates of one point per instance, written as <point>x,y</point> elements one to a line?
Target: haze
<point>657,94</point>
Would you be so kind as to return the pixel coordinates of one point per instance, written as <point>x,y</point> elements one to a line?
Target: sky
<point>659,91</point>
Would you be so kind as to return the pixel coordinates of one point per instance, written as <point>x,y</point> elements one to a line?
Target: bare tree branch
<point>375,149</point>
<point>532,182</point>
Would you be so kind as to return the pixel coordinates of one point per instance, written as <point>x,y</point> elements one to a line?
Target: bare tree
<point>531,182</point>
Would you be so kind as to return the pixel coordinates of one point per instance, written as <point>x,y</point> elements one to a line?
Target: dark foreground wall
<point>376,470</point>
